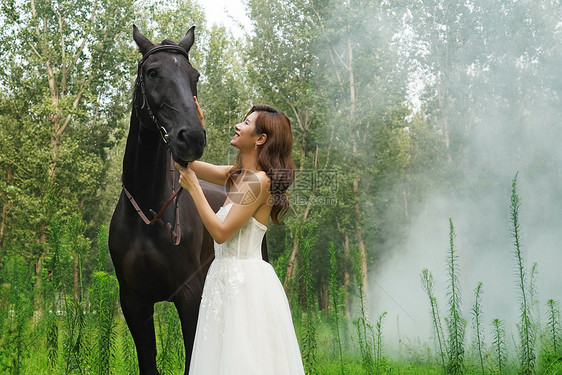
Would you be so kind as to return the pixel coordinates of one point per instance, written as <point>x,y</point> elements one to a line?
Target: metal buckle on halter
<point>164,134</point>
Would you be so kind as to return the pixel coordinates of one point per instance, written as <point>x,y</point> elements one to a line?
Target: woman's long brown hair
<point>274,156</point>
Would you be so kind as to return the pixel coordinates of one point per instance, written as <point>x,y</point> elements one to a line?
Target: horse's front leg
<point>187,302</point>
<point>140,319</point>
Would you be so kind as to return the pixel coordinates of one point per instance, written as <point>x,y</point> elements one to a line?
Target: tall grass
<point>53,287</point>
<point>365,333</point>
<point>74,336</point>
<point>309,342</point>
<point>526,330</point>
<point>104,296</point>
<point>498,334</point>
<point>335,299</point>
<point>91,341</point>
<point>171,353</point>
<point>380,360</point>
<point>17,335</point>
<point>551,354</point>
<point>428,284</point>
<point>554,326</point>
<point>128,352</point>
<point>455,322</point>
<point>477,320</point>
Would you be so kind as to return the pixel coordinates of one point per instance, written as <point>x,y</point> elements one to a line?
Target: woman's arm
<point>238,215</point>
<point>216,174</point>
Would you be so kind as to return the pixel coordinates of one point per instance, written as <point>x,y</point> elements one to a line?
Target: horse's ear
<point>142,41</point>
<point>188,39</point>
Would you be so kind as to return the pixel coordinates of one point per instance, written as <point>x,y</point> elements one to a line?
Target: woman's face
<point>244,137</point>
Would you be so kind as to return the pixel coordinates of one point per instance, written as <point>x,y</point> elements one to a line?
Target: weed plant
<point>380,360</point>
<point>75,353</point>
<point>53,288</point>
<point>551,356</point>
<point>171,355</point>
<point>554,326</point>
<point>477,322</point>
<point>310,323</point>
<point>455,323</point>
<point>365,333</point>
<point>17,334</point>
<point>104,296</point>
<point>526,330</point>
<point>93,339</point>
<point>498,334</point>
<point>428,283</point>
<point>128,351</point>
<point>336,304</point>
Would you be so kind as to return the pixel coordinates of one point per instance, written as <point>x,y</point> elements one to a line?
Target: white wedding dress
<point>245,325</point>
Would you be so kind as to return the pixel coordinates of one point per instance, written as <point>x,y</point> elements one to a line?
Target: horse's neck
<point>145,165</point>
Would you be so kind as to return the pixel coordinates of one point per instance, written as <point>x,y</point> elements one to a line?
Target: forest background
<point>405,114</point>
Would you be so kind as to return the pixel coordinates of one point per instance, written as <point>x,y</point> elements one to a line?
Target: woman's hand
<point>199,111</point>
<point>188,179</point>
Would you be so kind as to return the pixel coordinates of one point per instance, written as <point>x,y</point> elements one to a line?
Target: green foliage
<point>222,94</point>
<point>342,71</point>
<point>75,350</point>
<point>336,304</point>
<point>455,323</point>
<point>428,284</point>
<point>63,106</point>
<point>103,248</point>
<point>104,296</point>
<point>380,360</point>
<point>309,342</point>
<point>526,329</point>
<point>17,330</point>
<point>365,333</point>
<point>477,323</point>
<point>128,351</point>
<point>550,358</point>
<point>498,334</point>
<point>171,354</point>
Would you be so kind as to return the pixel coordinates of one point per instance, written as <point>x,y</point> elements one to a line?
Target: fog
<point>503,84</point>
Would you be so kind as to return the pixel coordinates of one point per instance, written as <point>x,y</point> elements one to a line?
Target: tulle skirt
<point>245,325</point>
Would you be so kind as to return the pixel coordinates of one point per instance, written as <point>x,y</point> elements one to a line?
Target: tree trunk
<point>355,191</point>
<point>5,208</point>
<point>292,264</point>
<point>346,276</point>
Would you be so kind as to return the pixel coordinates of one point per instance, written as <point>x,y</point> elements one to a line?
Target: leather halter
<point>175,235</point>
<point>140,82</point>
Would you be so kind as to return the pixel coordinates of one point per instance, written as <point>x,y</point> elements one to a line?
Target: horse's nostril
<point>192,138</point>
<point>183,137</point>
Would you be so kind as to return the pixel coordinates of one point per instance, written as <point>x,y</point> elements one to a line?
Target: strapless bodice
<point>246,244</point>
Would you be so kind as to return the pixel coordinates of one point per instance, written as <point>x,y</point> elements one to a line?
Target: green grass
<point>48,331</point>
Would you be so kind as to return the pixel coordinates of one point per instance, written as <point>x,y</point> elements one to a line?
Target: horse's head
<point>166,85</point>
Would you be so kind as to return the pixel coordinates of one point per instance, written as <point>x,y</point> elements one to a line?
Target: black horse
<point>155,260</point>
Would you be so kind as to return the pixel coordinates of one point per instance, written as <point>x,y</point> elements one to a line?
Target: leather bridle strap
<point>176,235</point>
<point>140,81</point>
<point>139,210</point>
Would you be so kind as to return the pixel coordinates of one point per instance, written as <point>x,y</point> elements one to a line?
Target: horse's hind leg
<point>187,302</point>
<point>139,317</point>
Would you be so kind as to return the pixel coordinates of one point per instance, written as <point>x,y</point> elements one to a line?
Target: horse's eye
<point>152,73</point>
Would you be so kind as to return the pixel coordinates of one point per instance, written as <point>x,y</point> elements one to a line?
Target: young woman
<point>245,325</point>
